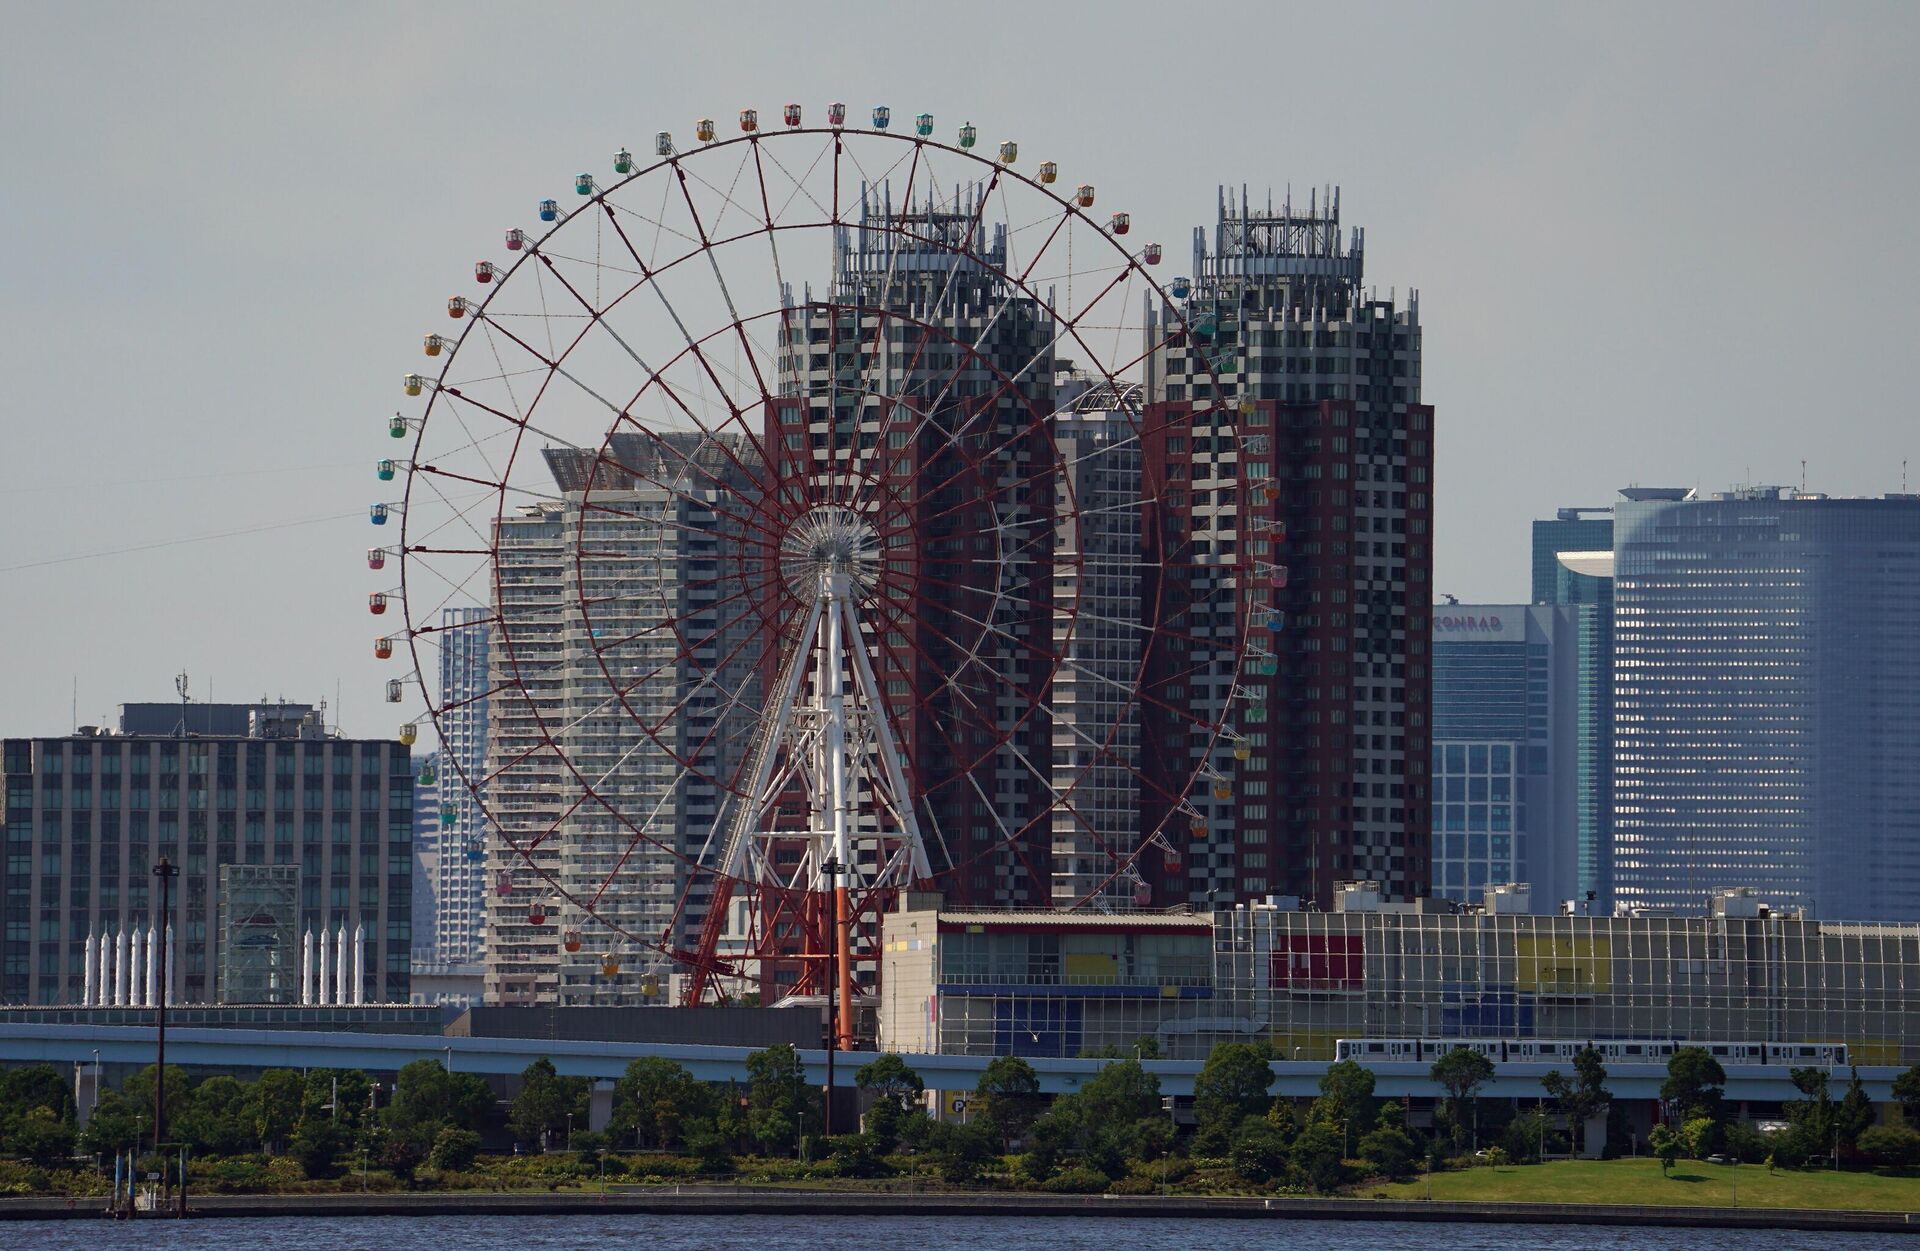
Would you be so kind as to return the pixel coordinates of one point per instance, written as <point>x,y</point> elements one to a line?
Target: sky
<point>1657,244</point>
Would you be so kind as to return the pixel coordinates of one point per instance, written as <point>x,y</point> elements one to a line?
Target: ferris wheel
<point>801,486</point>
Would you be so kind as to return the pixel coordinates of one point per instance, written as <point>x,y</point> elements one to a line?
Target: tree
<point>215,1121</point>
<point>339,1095</point>
<point>317,1145</point>
<point>895,1088</point>
<point>1855,1113</point>
<point>545,1101</point>
<point>1906,1095</point>
<point>1317,1156</point>
<point>1582,1099</point>
<point>273,1107</point>
<point>710,1147</point>
<point>36,1114</point>
<point>1525,1136</point>
<point>401,1155</point>
<point>1700,1137</point>
<point>1010,1099</point>
<point>1259,1151</point>
<point>781,1106</point>
<point>958,1150</point>
<point>1346,1099</point>
<point>1114,1117</point>
<point>41,1136</point>
<point>1694,1086</point>
<point>1119,1097</point>
<point>1461,1072</point>
<point>654,1099</point>
<point>138,1089</point>
<point>117,1124</point>
<point>1891,1146</point>
<point>1666,1145</point>
<point>427,1099</point>
<point>1046,1141</point>
<point>1232,1086</point>
<point>34,1086</point>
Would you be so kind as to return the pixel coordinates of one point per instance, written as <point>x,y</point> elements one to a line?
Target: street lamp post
<point>831,870</point>
<point>166,872</point>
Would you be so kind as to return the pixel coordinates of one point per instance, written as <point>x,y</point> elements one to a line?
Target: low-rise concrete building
<point>1758,981</point>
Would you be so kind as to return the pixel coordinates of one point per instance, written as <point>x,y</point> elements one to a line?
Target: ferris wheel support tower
<point>830,739</point>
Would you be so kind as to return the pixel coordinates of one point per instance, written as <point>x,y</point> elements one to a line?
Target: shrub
<point>1134,1185</point>
<point>241,1175</point>
<point>1892,1146</point>
<point>454,1149</point>
<point>1389,1151</point>
<point>1077,1181</point>
<point>857,1155</point>
<point>1700,1137</point>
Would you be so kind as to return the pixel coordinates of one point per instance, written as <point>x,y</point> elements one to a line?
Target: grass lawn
<point>1692,1183</point>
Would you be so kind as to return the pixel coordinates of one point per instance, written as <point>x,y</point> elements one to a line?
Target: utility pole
<point>166,872</point>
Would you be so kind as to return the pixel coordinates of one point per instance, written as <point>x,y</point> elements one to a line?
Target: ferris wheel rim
<point>536,251</point>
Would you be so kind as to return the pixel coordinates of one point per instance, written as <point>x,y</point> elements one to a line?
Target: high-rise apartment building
<point>1311,495</point>
<point>1509,688</point>
<point>1096,723</point>
<point>208,787</point>
<point>460,880</point>
<point>1766,669</point>
<point>1573,566</point>
<point>928,378</point>
<point>524,771</point>
<point>608,621</point>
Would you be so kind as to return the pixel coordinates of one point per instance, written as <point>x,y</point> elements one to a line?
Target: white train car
<point>1612,1050</point>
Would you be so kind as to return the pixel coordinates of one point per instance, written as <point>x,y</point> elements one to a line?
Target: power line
<point>189,477</point>
<point>192,538</point>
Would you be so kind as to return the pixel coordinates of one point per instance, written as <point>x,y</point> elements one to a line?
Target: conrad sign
<point>1461,622</point>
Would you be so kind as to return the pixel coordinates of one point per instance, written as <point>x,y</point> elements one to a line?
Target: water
<point>807,1233</point>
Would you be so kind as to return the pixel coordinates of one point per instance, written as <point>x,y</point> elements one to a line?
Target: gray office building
<point>1507,701</point>
<point>1766,671</point>
<point>1573,566</point>
<point>317,828</point>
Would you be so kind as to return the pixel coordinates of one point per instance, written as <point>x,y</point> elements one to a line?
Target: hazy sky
<point>1667,243</point>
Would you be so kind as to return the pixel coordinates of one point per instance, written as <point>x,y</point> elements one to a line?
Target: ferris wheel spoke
<point>754,351</point>
<point>674,490</point>
<point>682,654</point>
<point>457,512</point>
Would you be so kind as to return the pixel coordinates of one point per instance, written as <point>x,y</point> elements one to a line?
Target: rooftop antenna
<point>74,712</point>
<point>180,684</point>
<point>1803,475</point>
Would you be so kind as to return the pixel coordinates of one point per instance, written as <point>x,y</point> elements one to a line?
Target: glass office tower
<point>1767,667</point>
<point>1506,737</point>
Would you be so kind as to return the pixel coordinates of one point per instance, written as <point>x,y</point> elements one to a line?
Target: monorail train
<point>1617,1050</point>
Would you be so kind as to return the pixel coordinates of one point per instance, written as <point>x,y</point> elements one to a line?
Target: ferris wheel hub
<point>828,542</point>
